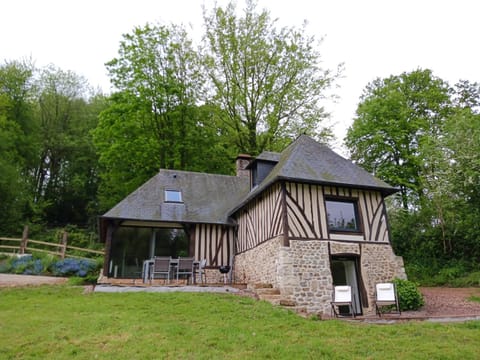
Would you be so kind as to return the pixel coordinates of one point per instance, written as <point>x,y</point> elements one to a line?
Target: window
<point>342,215</point>
<point>173,196</point>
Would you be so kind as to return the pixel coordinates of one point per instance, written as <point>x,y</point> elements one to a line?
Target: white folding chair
<point>386,295</point>
<point>342,296</point>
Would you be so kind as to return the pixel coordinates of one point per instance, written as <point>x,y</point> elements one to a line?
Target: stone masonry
<point>302,271</point>
<point>305,277</point>
<point>258,265</point>
<point>379,264</point>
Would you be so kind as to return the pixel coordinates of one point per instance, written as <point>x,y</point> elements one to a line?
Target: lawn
<point>60,322</point>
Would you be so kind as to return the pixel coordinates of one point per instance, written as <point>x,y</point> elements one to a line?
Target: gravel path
<point>441,301</point>
<point>9,280</point>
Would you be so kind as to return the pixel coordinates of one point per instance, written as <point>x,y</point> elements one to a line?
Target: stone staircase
<point>268,293</point>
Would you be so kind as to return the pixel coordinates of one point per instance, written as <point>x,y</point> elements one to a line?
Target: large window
<point>342,215</point>
<point>132,245</point>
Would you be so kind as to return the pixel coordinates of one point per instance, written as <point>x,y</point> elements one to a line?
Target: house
<point>301,220</point>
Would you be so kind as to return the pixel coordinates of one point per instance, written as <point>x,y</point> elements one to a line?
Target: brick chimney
<point>242,162</point>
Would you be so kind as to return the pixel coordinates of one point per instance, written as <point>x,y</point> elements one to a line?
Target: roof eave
<point>385,190</point>
<point>227,222</point>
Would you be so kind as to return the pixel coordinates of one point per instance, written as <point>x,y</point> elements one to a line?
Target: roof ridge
<point>198,173</point>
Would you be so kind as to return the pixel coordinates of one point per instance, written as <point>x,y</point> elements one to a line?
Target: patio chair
<point>185,267</point>
<point>386,295</point>
<point>342,296</point>
<point>160,266</point>
<point>201,271</point>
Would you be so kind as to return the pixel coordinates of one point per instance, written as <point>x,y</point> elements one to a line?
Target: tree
<point>418,133</point>
<point>155,120</point>
<point>267,80</point>
<point>395,121</point>
<point>17,141</point>
<point>462,173</point>
<point>159,70</point>
<point>64,175</point>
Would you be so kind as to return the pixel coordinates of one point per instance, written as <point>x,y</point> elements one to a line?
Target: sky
<point>372,38</point>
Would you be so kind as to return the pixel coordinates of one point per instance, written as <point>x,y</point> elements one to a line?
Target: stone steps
<point>268,293</point>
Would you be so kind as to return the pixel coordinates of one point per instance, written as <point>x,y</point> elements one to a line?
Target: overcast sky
<point>373,38</point>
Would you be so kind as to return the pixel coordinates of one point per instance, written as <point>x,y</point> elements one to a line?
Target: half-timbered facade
<point>302,220</point>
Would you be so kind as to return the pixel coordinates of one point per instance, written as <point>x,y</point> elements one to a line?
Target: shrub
<point>409,297</point>
<point>39,263</point>
<point>90,279</point>
<point>471,279</point>
<point>27,265</point>
<point>5,265</point>
<point>73,267</point>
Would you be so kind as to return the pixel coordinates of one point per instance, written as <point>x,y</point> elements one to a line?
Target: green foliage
<point>474,298</point>
<point>65,170</point>
<point>90,279</point>
<point>45,264</point>
<point>266,79</point>
<point>453,274</point>
<point>73,267</point>
<point>84,238</point>
<point>395,117</point>
<point>470,279</point>
<point>17,142</point>
<point>417,133</point>
<point>47,161</point>
<point>154,120</point>
<point>25,264</point>
<point>410,298</point>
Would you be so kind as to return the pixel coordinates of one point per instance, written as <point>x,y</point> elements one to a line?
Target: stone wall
<point>304,275</point>
<point>302,271</point>
<point>344,248</point>
<point>379,264</point>
<point>259,265</point>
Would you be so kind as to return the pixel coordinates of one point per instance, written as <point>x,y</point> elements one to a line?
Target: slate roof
<point>267,156</point>
<point>306,160</point>
<point>207,198</point>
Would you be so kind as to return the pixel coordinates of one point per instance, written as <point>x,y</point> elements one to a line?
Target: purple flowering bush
<point>25,265</point>
<point>73,267</point>
<point>49,265</point>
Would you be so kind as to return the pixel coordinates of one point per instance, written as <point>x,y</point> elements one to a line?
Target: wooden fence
<point>24,245</point>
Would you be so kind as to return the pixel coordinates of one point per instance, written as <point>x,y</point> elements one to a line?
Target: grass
<point>60,322</point>
<point>474,298</point>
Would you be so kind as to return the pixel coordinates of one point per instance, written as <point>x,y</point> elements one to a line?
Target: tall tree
<point>462,174</point>
<point>159,69</point>
<point>65,172</point>
<point>155,120</point>
<point>418,133</point>
<point>267,80</point>
<point>17,141</point>
<point>396,118</point>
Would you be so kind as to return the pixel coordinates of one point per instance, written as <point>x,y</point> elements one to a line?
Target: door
<point>344,272</point>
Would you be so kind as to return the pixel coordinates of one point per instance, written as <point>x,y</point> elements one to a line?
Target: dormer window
<point>260,171</point>
<point>174,196</point>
